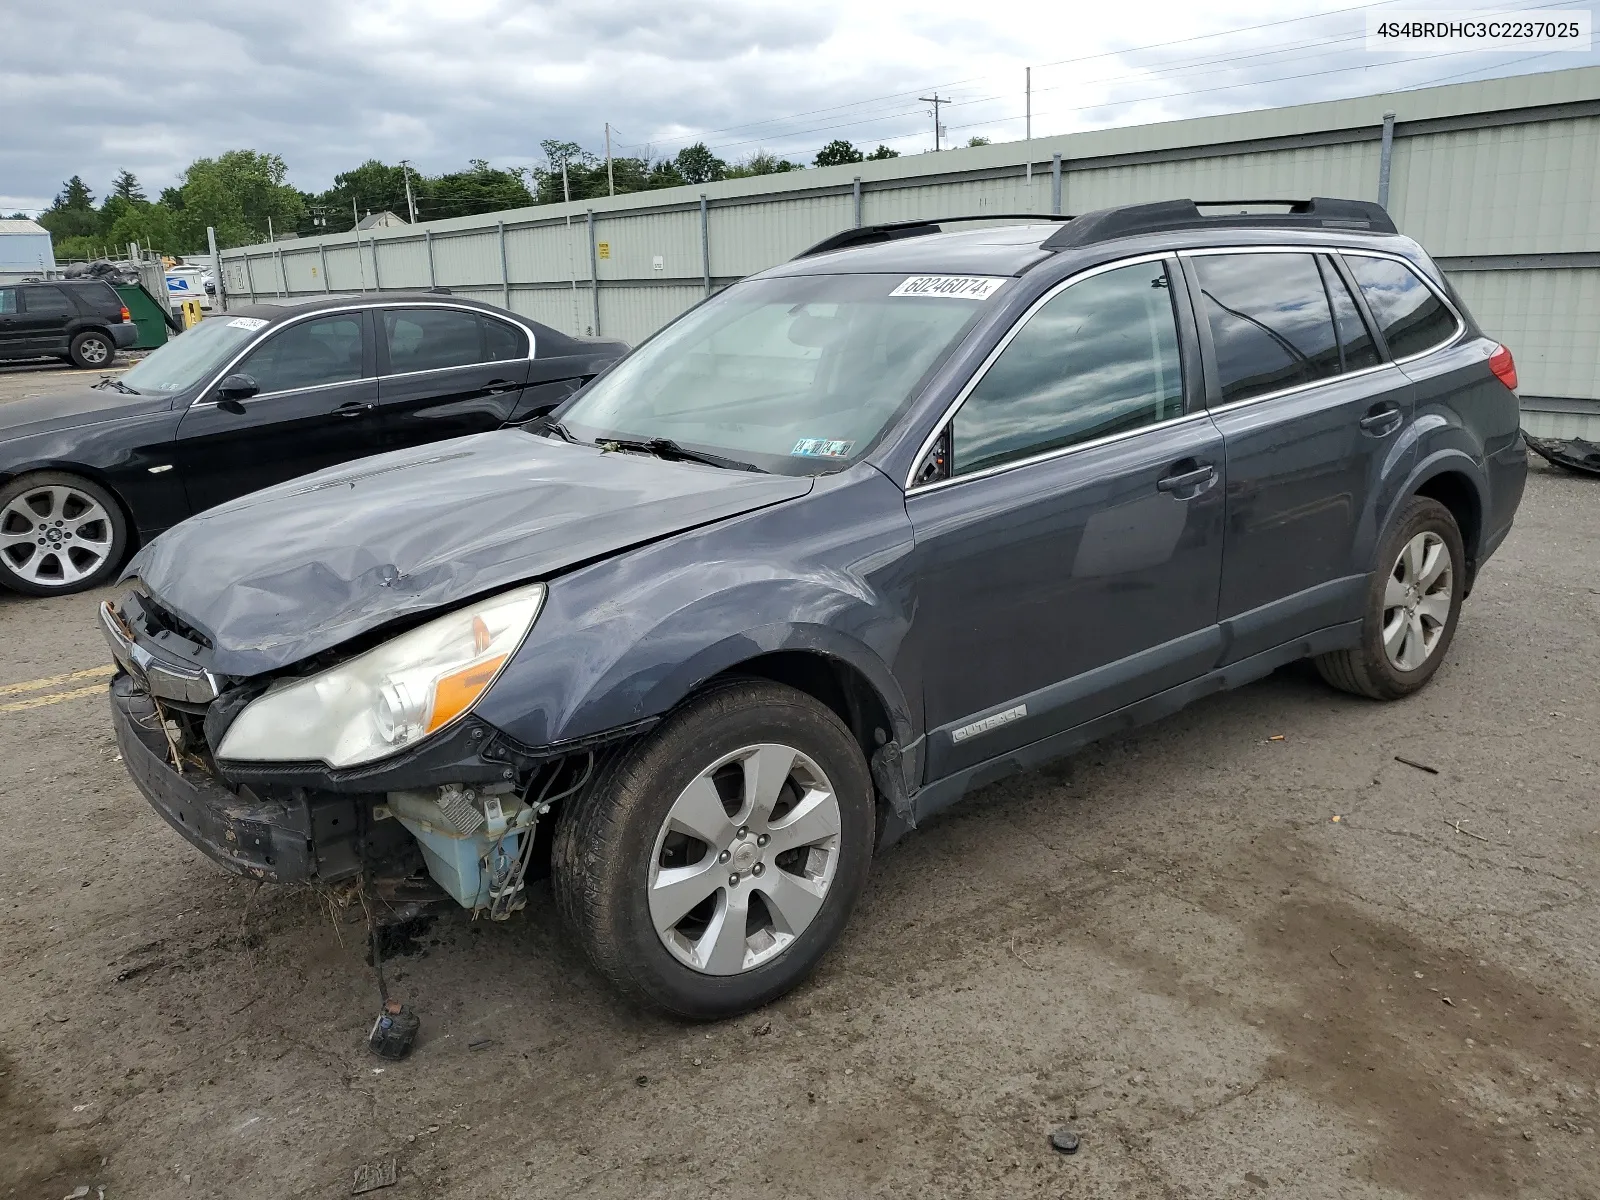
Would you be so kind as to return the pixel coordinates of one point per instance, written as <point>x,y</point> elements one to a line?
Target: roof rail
<point>1319,212</point>
<point>890,231</point>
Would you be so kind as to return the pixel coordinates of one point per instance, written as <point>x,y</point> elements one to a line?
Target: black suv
<point>852,538</point>
<point>84,321</point>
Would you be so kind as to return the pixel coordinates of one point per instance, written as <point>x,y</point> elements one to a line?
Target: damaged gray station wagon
<point>857,535</point>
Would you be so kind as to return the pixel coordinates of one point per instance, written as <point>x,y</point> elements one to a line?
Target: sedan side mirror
<point>234,389</point>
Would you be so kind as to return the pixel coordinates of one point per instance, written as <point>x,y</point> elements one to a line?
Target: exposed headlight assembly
<point>382,701</point>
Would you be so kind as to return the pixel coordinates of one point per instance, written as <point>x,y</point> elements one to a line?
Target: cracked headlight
<point>390,697</point>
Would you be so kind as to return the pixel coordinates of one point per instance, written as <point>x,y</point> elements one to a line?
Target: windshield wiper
<point>108,381</point>
<point>560,430</point>
<point>667,448</point>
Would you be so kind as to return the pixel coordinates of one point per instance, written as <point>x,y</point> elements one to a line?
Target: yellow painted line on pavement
<point>56,698</point>
<point>38,685</point>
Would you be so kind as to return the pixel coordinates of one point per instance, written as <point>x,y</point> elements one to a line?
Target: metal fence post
<point>377,280</point>
<point>1385,157</point>
<point>1055,184</point>
<point>283,278</point>
<point>594,273</point>
<point>705,241</point>
<point>216,269</point>
<point>249,277</point>
<point>323,249</point>
<point>856,190</point>
<point>505,267</point>
<point>427,242</point>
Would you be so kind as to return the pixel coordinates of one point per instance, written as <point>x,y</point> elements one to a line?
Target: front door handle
<point>354,408</point>
<point>1192,478</point>
<point>500,385</point>
<point>1381,421</point>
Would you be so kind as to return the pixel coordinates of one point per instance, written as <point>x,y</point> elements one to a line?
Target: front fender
<point>628,638</point>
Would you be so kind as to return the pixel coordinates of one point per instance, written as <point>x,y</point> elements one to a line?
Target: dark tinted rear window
<point>502,341</point>
<point>426,339</point>
<point>46,301</point>
<point>1411,315</point>
<point>1355,339</point>
<point>96,297</point>
<point>1270,321</point>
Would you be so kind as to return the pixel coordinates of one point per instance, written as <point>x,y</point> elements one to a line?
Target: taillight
<point>1504,368</point>
<point>125,315</point>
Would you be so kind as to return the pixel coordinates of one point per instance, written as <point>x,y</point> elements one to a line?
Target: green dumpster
<point>147,313</point>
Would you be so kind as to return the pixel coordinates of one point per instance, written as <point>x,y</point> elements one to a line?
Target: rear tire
<point>1413,605</point>
<point>92,349</point>
<point>779,794</point>
<point>59,534</point>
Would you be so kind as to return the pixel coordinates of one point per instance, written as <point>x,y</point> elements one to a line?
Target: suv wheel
<point>58,534</point>
<point>91,349</point>
<point>713,865</point>
<point>1412,608</point>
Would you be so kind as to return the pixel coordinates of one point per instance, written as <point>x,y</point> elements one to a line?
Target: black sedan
<point>255,397</point>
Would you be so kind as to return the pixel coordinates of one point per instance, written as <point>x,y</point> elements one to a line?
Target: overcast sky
<point>330,83</point>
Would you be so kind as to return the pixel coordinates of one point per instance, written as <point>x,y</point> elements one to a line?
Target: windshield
<point>797,375</point>
<point>192,355</point>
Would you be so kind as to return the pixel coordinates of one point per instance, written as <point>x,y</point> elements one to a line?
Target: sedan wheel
<point>713,863</point>
<point>58,534</point>
<point>730,892</point>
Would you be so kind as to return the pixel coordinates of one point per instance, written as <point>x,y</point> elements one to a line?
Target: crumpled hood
<point>295,569</point>
<point>69,410</point>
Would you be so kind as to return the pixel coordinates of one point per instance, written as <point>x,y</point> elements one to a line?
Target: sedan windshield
<point>797,375</point>
<point>192,355</point>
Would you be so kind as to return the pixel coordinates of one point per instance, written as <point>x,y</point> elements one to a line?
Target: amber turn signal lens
<point>456,693</point>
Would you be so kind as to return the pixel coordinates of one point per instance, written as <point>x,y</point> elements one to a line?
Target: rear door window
<point>1099,358</point>
<point>1270,322</point>
<point>502,341</point>
<point>308,354</point>
<point>1355,339</point>
<point>1410,314</point>
<point>47,302</point>
<point>429,339</point>
<point>8,300</point>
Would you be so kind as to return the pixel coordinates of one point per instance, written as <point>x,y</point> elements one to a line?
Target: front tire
<point>711,867</point>
<point>92,349</point>
<point>1412,607</point>
<point>59,534</point>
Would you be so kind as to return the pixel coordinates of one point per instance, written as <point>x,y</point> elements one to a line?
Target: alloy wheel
<point>94,351</point>
<point>1416,601</point>
<point>744,859</point>
<point>53,536</point>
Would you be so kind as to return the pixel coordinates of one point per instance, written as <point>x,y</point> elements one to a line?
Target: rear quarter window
<point>1410,314</point>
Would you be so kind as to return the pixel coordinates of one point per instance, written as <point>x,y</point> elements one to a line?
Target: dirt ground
<point>1235,965</point>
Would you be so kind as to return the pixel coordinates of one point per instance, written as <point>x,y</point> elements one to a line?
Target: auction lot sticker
<point>953,287</point>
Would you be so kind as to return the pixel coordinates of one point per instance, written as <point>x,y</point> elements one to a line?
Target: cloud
<point>330,83</point>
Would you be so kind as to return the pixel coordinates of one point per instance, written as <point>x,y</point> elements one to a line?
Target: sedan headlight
<point>386,699</point>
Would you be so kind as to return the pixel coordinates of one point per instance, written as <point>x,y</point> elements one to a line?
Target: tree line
<point>244,194</point>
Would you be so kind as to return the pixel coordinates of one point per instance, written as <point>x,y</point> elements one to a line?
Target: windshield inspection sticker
<point>821,448</point>
<point>953,287</point>
<point>246,323</point>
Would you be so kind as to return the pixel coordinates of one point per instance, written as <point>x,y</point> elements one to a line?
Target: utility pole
<point>411,205</point>
<point>355,230</point>
<point>269,229</point>
<point>1027,135</point>
<point>938,129</point>
<point>611,187</point>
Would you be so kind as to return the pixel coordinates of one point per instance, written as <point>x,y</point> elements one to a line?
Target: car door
<point>12,338</point>
<point>315,407</point>
<point>41,322</point>
<point>447,372</point>
<point>1069,562</point>
<point>1310,417</point>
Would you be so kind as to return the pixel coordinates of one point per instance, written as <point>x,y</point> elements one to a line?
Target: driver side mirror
<point>234,389</point>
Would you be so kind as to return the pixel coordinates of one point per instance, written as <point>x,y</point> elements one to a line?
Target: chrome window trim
<point>1300,387</point>
<point>459,366</point>
<point>491,362</point>
<point>533,343</point>
<point>1000,348</point>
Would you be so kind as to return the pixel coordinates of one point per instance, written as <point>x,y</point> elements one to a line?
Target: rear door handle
<point>501,385</point>
<point>1196,477</point>
<point>353,408</point>
<point>1381,422</point>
